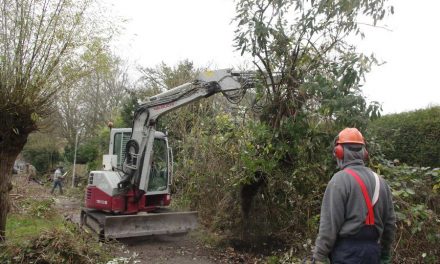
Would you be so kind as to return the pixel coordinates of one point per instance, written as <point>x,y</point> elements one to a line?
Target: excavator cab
<point>161,167</point>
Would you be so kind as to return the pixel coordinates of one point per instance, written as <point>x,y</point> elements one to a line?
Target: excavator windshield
<point>159,167</point>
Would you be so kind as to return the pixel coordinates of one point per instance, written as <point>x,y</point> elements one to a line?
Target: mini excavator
<point>130,195</point>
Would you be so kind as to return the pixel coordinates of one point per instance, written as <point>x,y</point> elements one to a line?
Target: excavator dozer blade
<point>143,224</point>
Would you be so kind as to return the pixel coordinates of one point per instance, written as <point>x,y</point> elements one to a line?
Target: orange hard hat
<point>350,135</point>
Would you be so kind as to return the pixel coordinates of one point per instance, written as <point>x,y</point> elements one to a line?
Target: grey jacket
<point>343,209</point>
<point>57,174</point>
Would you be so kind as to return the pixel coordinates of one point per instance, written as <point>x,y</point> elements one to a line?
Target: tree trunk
<point>10,146</point>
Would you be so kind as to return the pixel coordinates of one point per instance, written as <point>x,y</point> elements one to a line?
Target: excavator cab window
<point>158,180</point>
<point>120,139</point>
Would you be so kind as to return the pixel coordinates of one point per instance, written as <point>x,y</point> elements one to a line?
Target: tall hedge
<point>411,137</point>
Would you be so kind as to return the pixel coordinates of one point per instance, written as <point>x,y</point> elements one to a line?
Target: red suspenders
<point>370,215</point>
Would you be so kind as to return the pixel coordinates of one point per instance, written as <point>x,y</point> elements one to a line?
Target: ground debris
<point>233,256</point>
<point>57,246</point>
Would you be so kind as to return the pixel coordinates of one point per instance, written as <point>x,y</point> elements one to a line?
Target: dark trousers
<point>362,248</point>
<point>55,184</point>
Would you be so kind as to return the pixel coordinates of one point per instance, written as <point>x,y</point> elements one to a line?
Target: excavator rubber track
<point>109,226</point>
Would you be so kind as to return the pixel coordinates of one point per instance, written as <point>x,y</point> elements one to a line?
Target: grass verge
<point>39,234</point>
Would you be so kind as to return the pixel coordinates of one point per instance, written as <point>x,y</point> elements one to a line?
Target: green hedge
<point>411,137</point>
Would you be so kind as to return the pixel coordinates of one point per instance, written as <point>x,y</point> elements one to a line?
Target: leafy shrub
<point>85,153</point>
<point>411,137</point>
<point>218,161</point>
<point>416,203</point>
<point>41,209</point>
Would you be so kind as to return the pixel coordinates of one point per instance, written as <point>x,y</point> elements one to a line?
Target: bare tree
<point>35,38</point>
<point>94,98</point>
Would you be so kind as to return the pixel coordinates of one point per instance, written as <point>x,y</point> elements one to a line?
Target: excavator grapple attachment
<point>142,224</point>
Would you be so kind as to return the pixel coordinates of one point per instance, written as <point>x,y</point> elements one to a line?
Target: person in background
<point>357,223</point>
<point>57,180</point>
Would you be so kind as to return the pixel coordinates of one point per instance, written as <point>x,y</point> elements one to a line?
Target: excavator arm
<point>139,152</point>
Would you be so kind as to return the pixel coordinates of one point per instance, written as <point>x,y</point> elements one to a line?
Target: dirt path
<point>168,249</point>
<point>182,249</point>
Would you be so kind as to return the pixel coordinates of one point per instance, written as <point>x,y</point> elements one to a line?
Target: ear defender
<point>338,152</point>
<point>366,155</point>
<point>338,149</point>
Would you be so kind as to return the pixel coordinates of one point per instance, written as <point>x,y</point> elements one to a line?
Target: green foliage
<point>54,242</point>
<point>87,152</point>
<point>41,152</point>
<point>90,152</point>
<point>42,159</point>
<point>129,105</point>
<point>416,203</point>
<point>410,137</point>
<point>40,209</point>
<point>302,48</point>
<point>219,157</point>
<point>203,184</point>
<point>257,152</point>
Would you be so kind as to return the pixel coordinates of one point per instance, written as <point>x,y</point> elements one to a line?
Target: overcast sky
<point>200,30</point>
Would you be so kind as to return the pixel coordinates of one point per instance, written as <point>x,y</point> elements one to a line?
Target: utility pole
<point>74,158</point>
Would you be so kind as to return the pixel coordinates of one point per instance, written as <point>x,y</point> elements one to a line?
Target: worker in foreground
<point>357,216</point>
